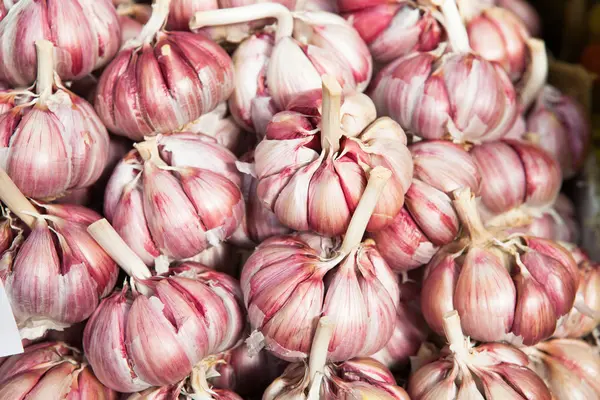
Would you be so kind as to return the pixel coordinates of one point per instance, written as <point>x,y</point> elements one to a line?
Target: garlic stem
<point>320,347</point>
<point>455,28</point>
<point>199,384</point>
<point>160,13</point>
<point>358,224</point>
<point>331,131</point>
<point>453,332</point>
<point>236,15</point>
<point>148,150</point>
<point>16,201</point>
<point>584,309</point>
<point>536,74</point>
<point>117,249</point>
<point>45,69</point>
<point>466,208</point>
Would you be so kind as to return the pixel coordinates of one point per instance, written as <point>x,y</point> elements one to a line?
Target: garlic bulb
<point>50,371</point>
<point>160,81</point>
<point>569,367</point>
<point>585,314</point>
<point>181,11</point>
<point>458,95</point>
<point>53,271</point>
<point>313,164</point>
<point>259,222</point>
<point>526,13</point>
<point>504,288</point>
<point>174,196</point>
<point>359,378</point>
<point>559,125</point>
<point>52,140</point>
<point>518,179</point>
<point>307,45</point>
<point>428,219</point>
<point>86,34</point>
<point>132,18</point>
<point>289,281</point>
<point>499,35</point>
<point>393,29</point>
<point>493,371</point>
<point>164,326</point>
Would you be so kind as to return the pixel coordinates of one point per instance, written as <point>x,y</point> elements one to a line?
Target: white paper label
<point>10,340</point>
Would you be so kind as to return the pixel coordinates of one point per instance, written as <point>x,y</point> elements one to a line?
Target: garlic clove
<point>535,318</point>
<point>440,277</point>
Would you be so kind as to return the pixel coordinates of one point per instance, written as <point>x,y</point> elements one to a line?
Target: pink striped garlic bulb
<point>52,140</point>
<point>559,124</point>
<point>86,34</point>
<point>393,29</point>
<point>313,164</point>
<point>458,95</point>
<point>493,371</point>
<point>428,219</point>
<point>290,281</point>
<point>519,182</point>
<point>359,378</point>
<point>161,81</point>
<point>132,17</point>
<point>504,287</point>
<point>53,271</point>
<point>165,325</point>
<point>174,196</point>
<point>499,35</point>
<point>50,371</point>
<point>271,71</point>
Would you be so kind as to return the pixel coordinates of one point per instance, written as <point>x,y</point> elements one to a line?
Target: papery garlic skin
<point>180,200</point>
<point>569,367</point>
<point>86,34</point>
<point>576,323</point>
<point>393,29</point>
<point>516,174</point>
<point>286,290</point>
<point>500,371</point>
<point>193,313</point>
<point>161,81</point>
<point>420,90</point>
<point>428,219</point>
<point>52,371</point>
<point>311,188</point>
<point>359,378</point>
<point>55,274</point>
<point>560,126</point>
<point>503,289</point>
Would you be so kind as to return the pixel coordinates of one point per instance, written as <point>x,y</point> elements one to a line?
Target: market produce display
<point>292,199</point>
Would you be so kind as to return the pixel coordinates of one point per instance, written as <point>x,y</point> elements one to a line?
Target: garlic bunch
<point>504,288</point>
<point>359,378</point>
<point>313,164</point>
<point>160,80</point>
<point>174,196</point>
<point>164,325</point>
<point>52,140</point>
<point>499,35</point>
<point>428,219</point>
<point>132,18</point>
<point>259,222</point>
<point>458,95</point>
<point>569,367</point>
<point>53,271</point>
<point>86,34</point>
<point>519,181</point>
<point>50,371</point>
<point>493,371</point>
<point>559,125</point>
<point>290,281</point>
<point>271,71</point>
<point>393,29</point>
<point>410,332</point>
<point>585,315</point>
